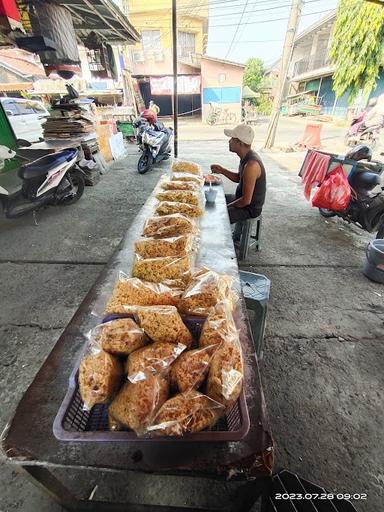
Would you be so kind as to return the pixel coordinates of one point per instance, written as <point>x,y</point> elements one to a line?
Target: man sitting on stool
<point>250,192</point>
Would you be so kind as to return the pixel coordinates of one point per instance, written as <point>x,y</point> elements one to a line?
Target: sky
<point>240,29</point>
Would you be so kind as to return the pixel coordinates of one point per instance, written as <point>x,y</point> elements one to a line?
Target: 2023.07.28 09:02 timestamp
<point>320,496</point>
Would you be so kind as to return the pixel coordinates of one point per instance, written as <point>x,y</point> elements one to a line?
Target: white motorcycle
<point>155,143</point>
<point>51,180</point>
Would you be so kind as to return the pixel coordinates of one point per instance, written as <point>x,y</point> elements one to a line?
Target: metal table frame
<point>28,441</point>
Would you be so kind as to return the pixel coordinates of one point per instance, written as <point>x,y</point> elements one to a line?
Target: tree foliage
<point>357,46</point>
<point>253,73</point>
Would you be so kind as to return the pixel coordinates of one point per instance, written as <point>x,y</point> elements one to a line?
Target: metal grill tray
<point>72,423</point>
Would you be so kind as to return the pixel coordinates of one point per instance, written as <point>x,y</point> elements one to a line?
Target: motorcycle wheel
<point>76,179</point>
<point>326,213</point>
<point>145,162</point>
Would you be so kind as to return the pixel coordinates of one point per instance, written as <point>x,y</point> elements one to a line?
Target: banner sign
<point>186,84</point>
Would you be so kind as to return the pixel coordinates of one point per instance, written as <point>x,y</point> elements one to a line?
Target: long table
<point>28,440</point>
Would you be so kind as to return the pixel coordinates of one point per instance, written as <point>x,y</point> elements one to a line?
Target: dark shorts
<point>239,214</point>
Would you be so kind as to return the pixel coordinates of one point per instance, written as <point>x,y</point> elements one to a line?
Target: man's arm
<point>233,176</point>
<point>252,172</point>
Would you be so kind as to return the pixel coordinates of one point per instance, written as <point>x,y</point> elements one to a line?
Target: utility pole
<point>294,18</point>
<point>175,100</point>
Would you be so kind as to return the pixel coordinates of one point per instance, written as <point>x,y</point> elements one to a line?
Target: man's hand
<point>217,169</point>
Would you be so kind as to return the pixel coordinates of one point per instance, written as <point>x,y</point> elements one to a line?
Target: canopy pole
<point>175,100</point>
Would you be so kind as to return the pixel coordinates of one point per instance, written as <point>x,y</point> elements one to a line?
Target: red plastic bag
<point>334,193</point>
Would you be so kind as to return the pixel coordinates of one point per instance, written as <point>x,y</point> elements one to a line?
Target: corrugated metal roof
<point>102,17</point>
<point>20,63</point>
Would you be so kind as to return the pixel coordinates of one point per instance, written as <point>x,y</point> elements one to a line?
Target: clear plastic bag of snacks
<point>131,291</point>
<point>118,337</point>
<point>186,166</point>
<point>158,270</point>
<point>155,358</point>
<point>163,323</point>
<point>136,405</point>
<point>169,208</point>
<point>219,326</point>
<point>186,413</point>
<point>159,247</point>
<point>99,376</point>
<point>180,185</point>
<point>184,176</point>
<point>205,289</point>
<point>169,226</point>
<point>225,378</point>
<point>190,369</point>
<point>180,196</point>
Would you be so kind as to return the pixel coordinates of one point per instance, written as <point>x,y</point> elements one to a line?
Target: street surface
<point>322,366</point>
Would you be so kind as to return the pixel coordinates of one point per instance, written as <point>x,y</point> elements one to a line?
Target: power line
<point>237,30</point>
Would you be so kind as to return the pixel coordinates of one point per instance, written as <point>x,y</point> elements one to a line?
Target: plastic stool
<point>256,288</point>
<point>250,235</point>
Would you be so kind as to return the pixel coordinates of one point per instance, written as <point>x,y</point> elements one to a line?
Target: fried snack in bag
<point>164,323</point>
<point>119,337</point>
<point>99,377</point>
<point>219,326</point>
<point>160,247</point>
<point>168,208</point>
<point>169,226</point>
<point>185,166</point>
<point>225,378</point>
<point>205,289</point>
<point>152,359</point>
<point>130,291</point>
<point>184,176</point>
<point>179,196</point>
<point>180,185</point>
<point>136,405</point>
<point>184,413</point>
<point>158,270</point>
<point>190,369</point>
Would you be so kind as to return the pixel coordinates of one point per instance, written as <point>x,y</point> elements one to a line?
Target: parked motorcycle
<point>51,180</point>
<point>359,133</point>
<point>154,141</point>
<point>366,208</point>
<point>364,135</point>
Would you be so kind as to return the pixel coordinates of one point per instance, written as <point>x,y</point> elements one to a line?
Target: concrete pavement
<point>321,370</point>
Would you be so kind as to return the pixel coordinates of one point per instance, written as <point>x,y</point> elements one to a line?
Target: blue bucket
<point>374,264</point>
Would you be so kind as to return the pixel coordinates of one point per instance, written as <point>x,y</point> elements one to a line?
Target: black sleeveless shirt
<point>259,191</point>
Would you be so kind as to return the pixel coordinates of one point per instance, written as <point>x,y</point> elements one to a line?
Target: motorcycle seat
<point>364,180</point>
<point>43,165</point>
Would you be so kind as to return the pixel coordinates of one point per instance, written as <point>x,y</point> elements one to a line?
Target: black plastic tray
<point>72,423</point>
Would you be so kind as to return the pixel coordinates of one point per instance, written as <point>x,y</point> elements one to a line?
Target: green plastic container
<point>126,128</point>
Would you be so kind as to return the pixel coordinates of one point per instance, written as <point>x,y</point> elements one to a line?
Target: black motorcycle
<point>154,140</point>
<point>366,208</point>
<point>53,179</point>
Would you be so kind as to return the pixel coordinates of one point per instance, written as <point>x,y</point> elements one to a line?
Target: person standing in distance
<point>249,198</point>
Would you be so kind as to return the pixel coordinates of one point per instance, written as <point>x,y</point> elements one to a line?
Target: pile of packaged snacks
<point>158,270</point>
<point>180,185</point>
<point>131,291</point>
<point>160,247</point>
<point>157,378</point>
<point>185,166</point>
<point>179,196</point>
<point>169,226</point>
<point>181,176</point>
<point>205,289</point>
<point>169,207</point>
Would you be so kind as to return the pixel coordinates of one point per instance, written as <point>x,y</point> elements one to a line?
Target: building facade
<point>152,56</point>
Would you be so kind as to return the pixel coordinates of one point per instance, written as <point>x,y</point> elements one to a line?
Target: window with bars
<point>186,44</point>
<point>151,40</point>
